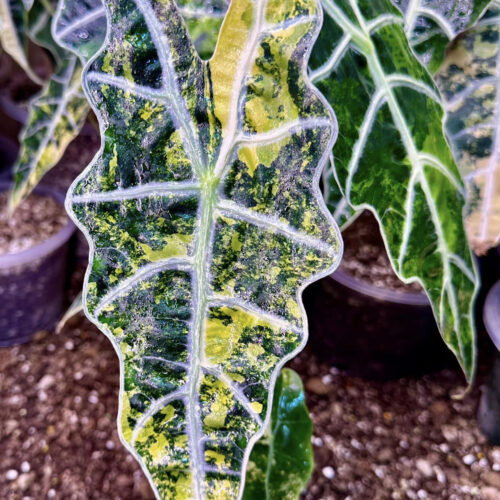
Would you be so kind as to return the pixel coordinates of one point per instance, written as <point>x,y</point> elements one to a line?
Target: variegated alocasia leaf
<point>56,116</point>
<point>281,463</point>
<point>205,222</point>
<point>470,82</point>
<point>80,26</point>
<point>432,24</point>
<point>394,159</point>
<point>203,19</point>
<point>13,37</point>
<point>58,113</point>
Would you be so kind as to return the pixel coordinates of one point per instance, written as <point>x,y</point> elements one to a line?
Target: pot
<point>489,404</point>
<point>32,283</point>
<point>373,332</point>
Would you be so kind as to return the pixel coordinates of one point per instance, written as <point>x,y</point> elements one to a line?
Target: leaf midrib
<point>369,51</point>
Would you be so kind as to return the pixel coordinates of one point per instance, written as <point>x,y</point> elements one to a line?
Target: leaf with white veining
<point>432,24</point>
<point>470,84</point>
<point>80,26</point>
<point>205,221</point>
<point>56,116</point>
<point>394,159</point>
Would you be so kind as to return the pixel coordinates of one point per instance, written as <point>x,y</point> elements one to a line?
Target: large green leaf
<point>432,24</point>
<point>281,463</point>
<point>205,222</point>
<point>393,157</point>
<point>13,37</point>
<point>470,81</point>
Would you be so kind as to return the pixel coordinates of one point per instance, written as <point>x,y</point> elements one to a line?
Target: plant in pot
<point>35,231</point>
<point>205,222</point>
<point>198,217</point>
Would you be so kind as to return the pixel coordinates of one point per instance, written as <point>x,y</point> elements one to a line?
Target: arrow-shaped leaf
<point>432,24</point>
<point>470,83</point>
<point>282,461</point>
<point>205,223</point>
<point>394,159</point>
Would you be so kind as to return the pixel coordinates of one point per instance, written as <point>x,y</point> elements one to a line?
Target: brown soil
<point>365,256</point>
<point>400,439</point>
<point>35,220</point>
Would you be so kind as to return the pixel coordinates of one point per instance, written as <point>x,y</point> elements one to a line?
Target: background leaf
<point>432,24</point>
<point>394,159</point>
<point>13,38</point>
<point>205,222</point>
<point>469,81</point>
<point>58,112</point>
<point>56,116</point>
<point>281,463</point>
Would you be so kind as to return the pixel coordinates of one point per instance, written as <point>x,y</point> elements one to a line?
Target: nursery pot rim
<point>45,247</point>
<point>379,293</point>
<point>491,314</point>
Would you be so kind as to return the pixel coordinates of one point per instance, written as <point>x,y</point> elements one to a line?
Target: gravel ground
<point>399,439</point>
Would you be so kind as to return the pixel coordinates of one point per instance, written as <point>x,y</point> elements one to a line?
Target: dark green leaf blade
<point>281,463</point>
<point>394,159</point>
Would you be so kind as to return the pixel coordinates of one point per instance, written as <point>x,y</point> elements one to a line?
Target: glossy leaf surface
<point>394,159</point>
<point>470,83</point>
<point>432,24</point>
<point>281,463</point>
<point>205,222</point>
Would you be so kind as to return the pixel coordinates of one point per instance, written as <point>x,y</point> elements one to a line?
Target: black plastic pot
<point>489,405</point>
<point>373,332</point>
<point>32,283</point>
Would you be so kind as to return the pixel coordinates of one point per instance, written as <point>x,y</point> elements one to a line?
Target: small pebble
<point>25,467</point>
<point>51,493</point>
<point>328,472</point>
<point>93,398</point>
<point>425,467</point>
<point>110,444</point>
<point>11,475</point>
<point>69,345</point>
<point>316,441</point>
<point>422,494</point>
<point>444,448</point>
<point>469,459</point>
